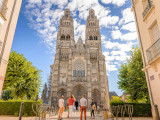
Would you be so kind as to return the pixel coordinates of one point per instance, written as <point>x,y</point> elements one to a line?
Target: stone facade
<point>79,68</point>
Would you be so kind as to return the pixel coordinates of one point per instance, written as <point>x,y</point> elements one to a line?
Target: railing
<point>153,51</point>
<point>147,9</point>
<point>3,7</point>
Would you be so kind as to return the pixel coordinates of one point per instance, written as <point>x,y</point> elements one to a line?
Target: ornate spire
<point>80,44</point>
<point>67,12</point>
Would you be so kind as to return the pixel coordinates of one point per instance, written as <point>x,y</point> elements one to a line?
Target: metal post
<point>21,111</point>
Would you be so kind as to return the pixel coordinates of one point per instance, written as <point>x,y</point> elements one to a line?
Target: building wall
<point>151,67</point>
<point>7,34</point>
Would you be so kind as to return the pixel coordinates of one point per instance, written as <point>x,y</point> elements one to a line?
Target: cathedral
<point>79,68</point>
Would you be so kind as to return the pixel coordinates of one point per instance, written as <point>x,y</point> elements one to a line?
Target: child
<point>68,110</point>
<point>93,111</point>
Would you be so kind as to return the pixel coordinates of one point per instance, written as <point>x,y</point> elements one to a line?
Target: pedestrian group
<point>71,108</point>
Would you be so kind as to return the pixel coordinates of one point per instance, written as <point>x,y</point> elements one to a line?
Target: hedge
<point>139,109</point>
<point>12,107</point>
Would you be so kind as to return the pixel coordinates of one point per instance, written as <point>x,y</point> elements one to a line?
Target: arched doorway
<point>96,95</point>
<point>64,93</point>
<point>78,91</point>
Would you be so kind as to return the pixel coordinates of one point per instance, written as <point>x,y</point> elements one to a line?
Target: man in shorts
<point>61,107</point>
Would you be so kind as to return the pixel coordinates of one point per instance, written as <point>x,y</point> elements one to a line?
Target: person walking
<point>83,105</point>
<point>76,104</point>
<point>93,108</point>
<point>71,101</point>
<point>61,108</point>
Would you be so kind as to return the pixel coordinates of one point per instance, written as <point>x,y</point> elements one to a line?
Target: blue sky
<point>37,26</point>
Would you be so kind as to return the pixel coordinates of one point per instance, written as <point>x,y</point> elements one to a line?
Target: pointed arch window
<point>62,37</point>
<point>68,37</point>
<point>79,68</point>
<point>90,37</point>
<point>95,37</point>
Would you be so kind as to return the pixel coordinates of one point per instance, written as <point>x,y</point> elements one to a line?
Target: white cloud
<point>109,20</point>
<point>103,38</point>
<point>130,26</point>
<point>102,13</point>
<point>118,46</point>
<point>116,53</point>
<point>79,30</point>
<point>44,20</point>
<point>130,36</point>
<point>127,16</point>
<point>116,34</point>
<point>35,1</point>
<point>114,58</point>
<point>60,3</point>
<point>115,2</point>
<point>110,67</point>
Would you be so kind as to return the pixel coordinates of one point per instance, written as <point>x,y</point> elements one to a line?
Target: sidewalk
<point>75,116</point>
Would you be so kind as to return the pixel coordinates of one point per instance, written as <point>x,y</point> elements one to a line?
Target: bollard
<point>21,111</point>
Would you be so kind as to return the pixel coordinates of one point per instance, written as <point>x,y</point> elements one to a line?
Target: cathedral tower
<point>65,36</point>
<point>93,36</point>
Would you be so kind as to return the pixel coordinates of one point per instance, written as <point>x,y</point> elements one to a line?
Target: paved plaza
<point>76,116</point>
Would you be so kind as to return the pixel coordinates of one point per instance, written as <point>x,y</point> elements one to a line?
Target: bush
<point>16,114</point>
<point>115,99</point>
<point>139,109</point>
<point>12,107</point>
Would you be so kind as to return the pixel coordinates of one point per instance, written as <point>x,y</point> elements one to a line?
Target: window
<point>95,37</point>
<point>79,68</point>
<point>62,37</point>
<point>68,37</point>
<point>91,38</point>
<point>155,32</point>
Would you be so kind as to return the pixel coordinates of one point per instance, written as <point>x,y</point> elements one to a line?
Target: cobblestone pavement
<point>76,116</point>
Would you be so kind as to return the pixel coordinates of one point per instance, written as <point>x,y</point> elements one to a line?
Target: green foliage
<point>12,107</point>
<point>6,95</point>
<point>132,78</point>
<point>116,99</point>
<point>16,114</point>
<point>139,109</point>
<point>22,78</point>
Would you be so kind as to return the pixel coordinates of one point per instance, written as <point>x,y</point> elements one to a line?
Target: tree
<point>22,78</point>
<point>132,78</point>
<point>115,99</point>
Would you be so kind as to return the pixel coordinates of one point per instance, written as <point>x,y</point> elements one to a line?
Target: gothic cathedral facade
<point>79,68</point>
